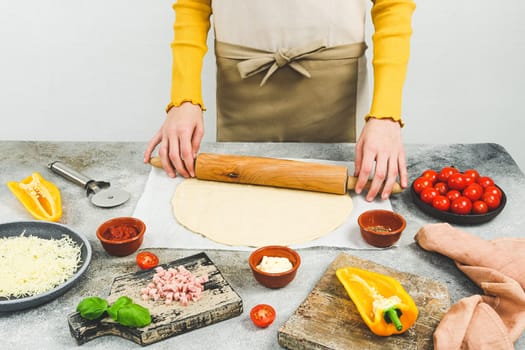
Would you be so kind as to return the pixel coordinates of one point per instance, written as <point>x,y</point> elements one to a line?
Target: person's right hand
<point>179,139</point>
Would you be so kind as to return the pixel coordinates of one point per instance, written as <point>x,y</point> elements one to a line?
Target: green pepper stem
<point>391,316</point>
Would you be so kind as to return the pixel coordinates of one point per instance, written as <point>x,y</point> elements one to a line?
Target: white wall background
<point>99,70</point>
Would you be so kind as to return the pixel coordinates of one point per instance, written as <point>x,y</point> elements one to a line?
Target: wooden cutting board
<point>328,319</point>
<point>219,302</point>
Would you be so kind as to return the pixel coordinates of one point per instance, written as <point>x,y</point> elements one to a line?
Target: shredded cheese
<point>31,265</point>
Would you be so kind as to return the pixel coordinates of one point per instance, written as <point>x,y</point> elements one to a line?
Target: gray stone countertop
<point>46,327</point>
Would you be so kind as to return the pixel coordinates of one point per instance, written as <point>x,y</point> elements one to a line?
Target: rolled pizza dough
<point>250,215</point>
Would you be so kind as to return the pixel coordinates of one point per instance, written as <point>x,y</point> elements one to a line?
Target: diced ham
<point>174,284</point>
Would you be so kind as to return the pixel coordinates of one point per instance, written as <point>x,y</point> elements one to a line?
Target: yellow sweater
<point>391,44</point>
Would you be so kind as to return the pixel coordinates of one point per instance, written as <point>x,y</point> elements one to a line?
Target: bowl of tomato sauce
<point>121,236</point>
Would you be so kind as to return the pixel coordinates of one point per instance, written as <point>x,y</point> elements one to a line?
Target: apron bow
<point>283,57</point>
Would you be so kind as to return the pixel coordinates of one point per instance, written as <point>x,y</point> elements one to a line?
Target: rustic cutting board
<point>219,302</point>
<point>328,319</point>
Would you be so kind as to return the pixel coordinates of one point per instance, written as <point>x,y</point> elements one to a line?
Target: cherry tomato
<point>494,190</point>
<point>262,315</point>
<point>421,183</point>
<point>473,173</point>
<point>485,181</point>
<point>492,200</point>
<point>430,174</point>
<point>468,180</point>
<point>428,194</point>
<point>453,194</point>
<point>147,260</point>
<point>441,187</point>
<point>456,181</point>
<point>441,202</point>
<point>473,191</point>
<point>479,207</point>
<point>461,205</point>
<point>445,173</point>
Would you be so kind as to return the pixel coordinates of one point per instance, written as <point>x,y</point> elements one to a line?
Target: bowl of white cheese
<point>274,266</point>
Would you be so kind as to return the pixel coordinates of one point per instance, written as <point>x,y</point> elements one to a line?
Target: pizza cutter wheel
<point>100,193</point>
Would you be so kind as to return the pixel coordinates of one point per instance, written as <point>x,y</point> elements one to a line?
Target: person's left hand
<point>380,146</point>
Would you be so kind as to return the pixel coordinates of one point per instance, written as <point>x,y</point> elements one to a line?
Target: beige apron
<point>287,70</point>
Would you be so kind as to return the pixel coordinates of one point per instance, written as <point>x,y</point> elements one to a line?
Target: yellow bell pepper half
<point>384,305</point>
<point>39,196</point>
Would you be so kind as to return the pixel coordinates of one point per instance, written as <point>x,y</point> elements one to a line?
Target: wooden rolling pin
<point>274,172</point>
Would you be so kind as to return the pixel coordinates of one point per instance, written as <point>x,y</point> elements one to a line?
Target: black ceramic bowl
<point>469,219</point>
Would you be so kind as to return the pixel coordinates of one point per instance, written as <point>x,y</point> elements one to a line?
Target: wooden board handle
<point>272,172</point>
<point>84,330</point>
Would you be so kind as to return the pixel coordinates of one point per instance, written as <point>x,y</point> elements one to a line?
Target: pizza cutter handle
<point>74,176</point>
<point>70,174</point>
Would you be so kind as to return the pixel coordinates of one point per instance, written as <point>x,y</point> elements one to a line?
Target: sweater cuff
<point>178,102</point>
<point>398,120</point>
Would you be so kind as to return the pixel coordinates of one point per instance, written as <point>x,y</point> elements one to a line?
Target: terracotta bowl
<point>381,228</point>
<point>274,280</point>
<point>121,236</point>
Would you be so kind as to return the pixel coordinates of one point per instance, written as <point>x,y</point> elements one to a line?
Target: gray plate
<point>47,230</point>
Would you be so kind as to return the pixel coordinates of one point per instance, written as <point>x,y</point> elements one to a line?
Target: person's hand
<point>179,139</point>
<point>380,143</point>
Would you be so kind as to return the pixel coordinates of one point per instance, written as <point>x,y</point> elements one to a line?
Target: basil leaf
<point>133,315</point>
<point>92,308</point>
<point>120,302</point>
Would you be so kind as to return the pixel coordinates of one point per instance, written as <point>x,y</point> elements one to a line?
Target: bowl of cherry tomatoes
<point>455,196</point>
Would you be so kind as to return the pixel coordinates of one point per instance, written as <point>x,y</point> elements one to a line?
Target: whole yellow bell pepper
<point>381,300</point>
<point>39,196</point>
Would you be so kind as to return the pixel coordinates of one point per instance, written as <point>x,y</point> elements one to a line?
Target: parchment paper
<point>163,230</point>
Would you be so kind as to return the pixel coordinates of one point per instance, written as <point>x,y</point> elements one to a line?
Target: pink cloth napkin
<point>496,319</point>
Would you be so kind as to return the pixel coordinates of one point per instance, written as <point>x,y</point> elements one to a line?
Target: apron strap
<point>254,61</point>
